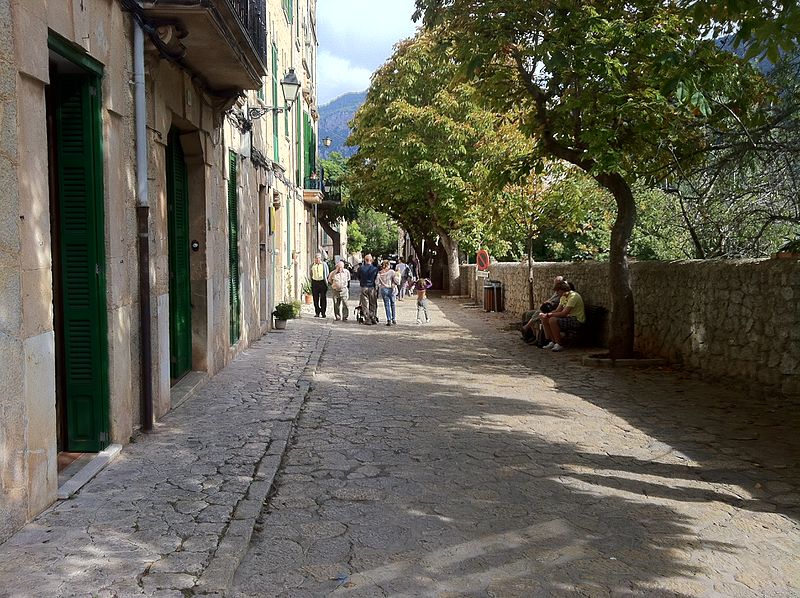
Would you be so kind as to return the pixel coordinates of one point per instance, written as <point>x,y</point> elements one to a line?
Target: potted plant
<point>283,312</point>
<point>306,288</point>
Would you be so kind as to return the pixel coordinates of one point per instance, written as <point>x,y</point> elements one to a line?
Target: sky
<point>355,38</point>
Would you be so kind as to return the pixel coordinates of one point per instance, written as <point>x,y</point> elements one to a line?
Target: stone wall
<point>736,319</point>
<point>13,410</point>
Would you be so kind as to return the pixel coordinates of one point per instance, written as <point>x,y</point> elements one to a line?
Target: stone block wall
<point>734,319</point>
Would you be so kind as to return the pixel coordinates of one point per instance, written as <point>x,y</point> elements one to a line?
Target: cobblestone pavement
<point>173,514</point>
<point>453,460</point>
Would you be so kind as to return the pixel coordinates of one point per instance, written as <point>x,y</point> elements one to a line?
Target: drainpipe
<point>143,228</point>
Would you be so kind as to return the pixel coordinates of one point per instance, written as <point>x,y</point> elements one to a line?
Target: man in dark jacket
<point>368,300</point>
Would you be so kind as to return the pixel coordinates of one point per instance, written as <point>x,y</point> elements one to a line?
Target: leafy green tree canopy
<point>418,143</point>
<point>763,27</point>
<point>617,88</point>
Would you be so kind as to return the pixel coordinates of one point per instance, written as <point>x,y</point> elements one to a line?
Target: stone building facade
<point>212,223</point>
<point>729,319</point>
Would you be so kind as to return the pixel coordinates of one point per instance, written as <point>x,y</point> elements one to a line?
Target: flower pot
<point>280,324</point>
<point>308,299</point>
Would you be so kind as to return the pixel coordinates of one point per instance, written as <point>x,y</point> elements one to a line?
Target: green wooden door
<point>180,292</point>
<point>80,196</point>
<point>233,248</point>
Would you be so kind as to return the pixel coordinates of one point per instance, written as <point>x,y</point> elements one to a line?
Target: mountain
<point>334,119</point>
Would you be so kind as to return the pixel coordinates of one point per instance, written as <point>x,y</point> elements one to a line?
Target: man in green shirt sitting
<point>570,315</point>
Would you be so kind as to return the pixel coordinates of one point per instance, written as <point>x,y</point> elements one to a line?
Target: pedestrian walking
<point>387,283</point>
<point>414,264</point>
<point>339,280</point>
<point>319,286</point>
<point>402,269</point>
<point>368,301</point>
<point>421,286</point>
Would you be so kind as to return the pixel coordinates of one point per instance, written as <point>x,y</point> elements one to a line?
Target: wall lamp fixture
<point>290,85</point>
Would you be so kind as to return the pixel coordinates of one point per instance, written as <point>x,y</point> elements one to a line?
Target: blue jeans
<point>388,303</point>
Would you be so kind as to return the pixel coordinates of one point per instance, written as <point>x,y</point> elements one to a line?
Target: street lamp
<point>327,141</point>
<point>290,85</point>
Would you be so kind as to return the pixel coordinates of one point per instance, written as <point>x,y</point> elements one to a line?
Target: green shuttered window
<point>276,154</point>
<point>180,293</point>
<point>233,248</point>
<point>80,196</point>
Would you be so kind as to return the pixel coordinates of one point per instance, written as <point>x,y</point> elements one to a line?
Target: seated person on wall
<point>531,329</point>
<point>570,315</point>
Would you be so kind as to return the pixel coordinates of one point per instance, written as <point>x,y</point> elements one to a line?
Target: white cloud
<point>336,76</point>
<point>356,36</point>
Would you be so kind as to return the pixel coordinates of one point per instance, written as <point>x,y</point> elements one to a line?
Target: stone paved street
<point>441,460</point>
<point>172,515</point>
<point>453,460</point>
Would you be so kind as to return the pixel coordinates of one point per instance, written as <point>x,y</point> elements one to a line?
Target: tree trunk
<point>453,266</point>
<point>336,238</point>
<point>531,296</point>
<point>620,342</point>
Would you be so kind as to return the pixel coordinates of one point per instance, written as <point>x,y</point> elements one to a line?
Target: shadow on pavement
<point>482,493</point>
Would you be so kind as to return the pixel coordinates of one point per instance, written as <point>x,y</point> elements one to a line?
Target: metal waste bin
<point>493,295</point>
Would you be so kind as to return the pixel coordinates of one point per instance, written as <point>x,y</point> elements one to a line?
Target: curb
<point>85,475</point>
<point>218,575</point>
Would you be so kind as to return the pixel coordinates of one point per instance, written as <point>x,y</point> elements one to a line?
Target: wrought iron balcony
<point>222,41</point>
<point>312,182</point>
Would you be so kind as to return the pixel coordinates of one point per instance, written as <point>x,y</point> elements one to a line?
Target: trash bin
<point>493,295</point>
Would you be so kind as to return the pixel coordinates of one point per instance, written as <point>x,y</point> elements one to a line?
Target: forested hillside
<point>334,119</point>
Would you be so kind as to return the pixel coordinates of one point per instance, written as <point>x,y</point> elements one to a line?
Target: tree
<point>417,135</point>
<point>611,87</point>
<point>743,200</point>
<point>763,27</point>
<point>355,238</point>
<point>376,233</point>
<point>334,175</point>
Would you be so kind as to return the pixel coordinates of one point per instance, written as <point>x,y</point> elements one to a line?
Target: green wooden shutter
<point>80,190</point>
<point>180,294</point>
<point>299,150</point>
<point>289,227</point>
<point>233,248</point>
<point>310,146</point>
<point>276,154</point>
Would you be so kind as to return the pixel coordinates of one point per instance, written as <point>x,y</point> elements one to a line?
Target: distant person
<point>386,287</point>
<point>421,287</point>
<point>402,270</point>
<point>414,266</point>
<point>319,286</point>
<point>339,280</point>
<point>570,315</point>
<point>368,300</point>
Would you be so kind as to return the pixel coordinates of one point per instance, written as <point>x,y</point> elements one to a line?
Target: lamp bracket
<point>254,113</point>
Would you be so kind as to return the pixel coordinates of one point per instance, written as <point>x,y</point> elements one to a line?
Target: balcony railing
<point>312,183</point>
<point>224,42</point>
<point>252,17</point>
